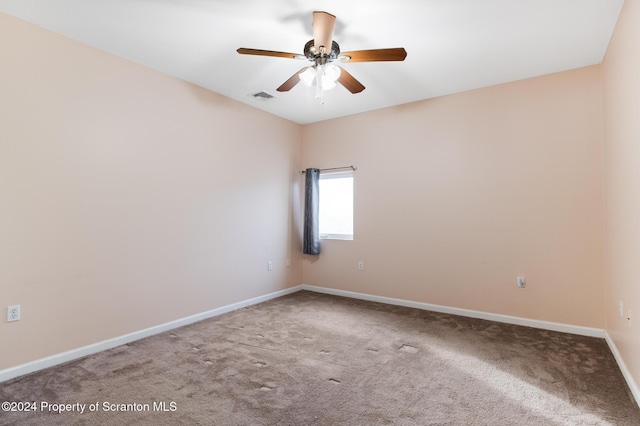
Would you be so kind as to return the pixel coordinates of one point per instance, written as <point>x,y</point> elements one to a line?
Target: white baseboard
<point>545,325</point>
<point>63,357</point>
<point>633,386</point>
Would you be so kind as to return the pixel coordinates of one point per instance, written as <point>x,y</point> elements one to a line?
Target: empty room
<point>327,213</point>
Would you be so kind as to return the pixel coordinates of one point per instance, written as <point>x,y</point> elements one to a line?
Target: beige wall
<point>129,198</point>
<point>456,196</point>
<point>622,185</point>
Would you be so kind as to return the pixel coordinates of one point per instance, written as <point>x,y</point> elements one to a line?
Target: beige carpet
<point>314,359</point>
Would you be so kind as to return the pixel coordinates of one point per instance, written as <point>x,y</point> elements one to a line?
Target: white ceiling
<point>452,45</point>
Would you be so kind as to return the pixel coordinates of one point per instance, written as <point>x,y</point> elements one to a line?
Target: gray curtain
<point>311,237</point>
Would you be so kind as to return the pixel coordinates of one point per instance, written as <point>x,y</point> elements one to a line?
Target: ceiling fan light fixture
<point>330,74</point>
<point>326,77</point>
<point>308,76</point>
<point>328,85</point>
<point>322,76</point>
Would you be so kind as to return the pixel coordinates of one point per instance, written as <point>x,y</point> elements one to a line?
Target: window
<point>336,206</point>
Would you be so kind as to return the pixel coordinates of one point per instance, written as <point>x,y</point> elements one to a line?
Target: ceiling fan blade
<point>374,55</point>
<point>245,51</point>
<point>350,82</point>
<point>323,25</point>
<point>292,81</point>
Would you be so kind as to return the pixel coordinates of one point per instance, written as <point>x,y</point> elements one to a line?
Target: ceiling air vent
<point>262,96</point>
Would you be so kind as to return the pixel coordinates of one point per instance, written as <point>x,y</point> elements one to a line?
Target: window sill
<point>336,237</point>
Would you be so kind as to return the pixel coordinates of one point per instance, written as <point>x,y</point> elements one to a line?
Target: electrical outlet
<point>361,266</point>
<point>521,282</point>
<point>269,265</point>
<point>13,313</point>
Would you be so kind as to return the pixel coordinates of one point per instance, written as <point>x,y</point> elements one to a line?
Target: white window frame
<point>336,175</point>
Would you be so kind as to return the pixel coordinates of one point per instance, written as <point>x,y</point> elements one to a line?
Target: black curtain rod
<point>334,168</point>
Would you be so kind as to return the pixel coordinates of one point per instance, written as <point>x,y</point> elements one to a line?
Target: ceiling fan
<point>323,52</point>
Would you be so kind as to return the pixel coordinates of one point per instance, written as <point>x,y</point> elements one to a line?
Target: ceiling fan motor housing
<point>312,53</point>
